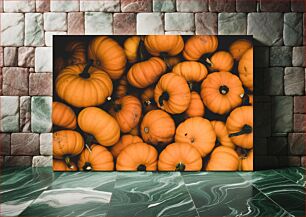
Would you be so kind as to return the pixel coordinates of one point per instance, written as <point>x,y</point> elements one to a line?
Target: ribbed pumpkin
<point>137,157</point>
<point>135,131</point>
<point>245,69</point>
<point>198,45</point>
<point>122,87</point>
<point>172,93</point>
<point>124,141</point>
<point>76,52</point>
<point>198,132</point>
<point>239,125</point>
<point>145,73</point>
<point>223,159</point>
<point>83,86</point>
<point>100,124</point>
<point>222,134</point>
<point>180,157</point>
<point>247,162</point>
<point>130,46</point>
<point>96,158</point>
<point>157,128</point>
<point>172,61</point>
<point>60,165</point>
<point>239,47</point>
<point>147,99</point>
<point>196,107</point>
<point>66,144</point>
<point>221,61</point>
<point>221,92</point>
<point>107,55</point>
<point>63,116</point>
<point>170,44</point>
<point>127,112</point>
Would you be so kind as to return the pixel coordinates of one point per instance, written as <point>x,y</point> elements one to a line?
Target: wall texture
<point>27,27</point>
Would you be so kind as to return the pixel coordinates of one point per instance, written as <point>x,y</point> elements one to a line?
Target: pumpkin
<point>247,162</point>
<point>172,61</point>
<point>197,132</point>
<point>100,124</point>
<point>66,144</point>
<point>196,107</point>
<point>221,61</point>
<point>124,141</point>
<point>223,159</point>
<point>83,86</point>
<point>221,92</point>
<point>170,44</point>
<point>239,47</point>
<point>63,116</point>
<point>60,165</point>
<point>157,128</point>
<point>127,112</point>
<point>142,74</point>
<point>130,46</point>
<point>147,99</point>
<point>222,134</point>
<point>76,52</point>
<point>198,45</point>
<point>122,88</point>
<point>59,64</point>
<point>172,93</point>
<point>245,69</point>
<point>239,125</point>
<point>107,55</point>
<point>251,99</point>
<point>96,158</point>
<point>180,157</point>
<point>137,157</point>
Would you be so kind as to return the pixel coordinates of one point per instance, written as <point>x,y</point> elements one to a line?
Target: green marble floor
<point>40,192</point>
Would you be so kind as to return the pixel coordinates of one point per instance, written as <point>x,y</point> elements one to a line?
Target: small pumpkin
<point>83,86</point>
<point>172,61</point>
<point>239,125</point>
<point>107,55</point>
<point>180,157</point>
<point>145,73</point>
<point>172,93</point>
<point>157,128</point>
<point>197,132</point>
<point>170,44</point>
<point>147,99</point>
<point>196,107</point>
<point>245,69</point>
<point>76,52</point>
<point>247,162</point>
<point>131,46</point>
<point>221,61</point>
<point>66,144</point>
<point>100,124</point>
<point>63,116</point>
<point>122,87</point>
<point>137,157</point>
<point>251,99</point>
<point>222,134</point>
<point>127,112</point>
<point>135,131</point>
<point>239,47</point>
<point>221,92</point>
<point>198,45</point>
<point>96,158</point>
<point>124,141</point>
<point>60,165</point>
<point>223,159</point>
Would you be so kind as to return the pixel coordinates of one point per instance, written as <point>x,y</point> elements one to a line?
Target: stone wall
<point>27,27</point>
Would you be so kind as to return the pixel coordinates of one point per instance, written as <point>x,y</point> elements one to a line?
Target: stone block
<point>274,81</point>
<point>43,59</point>
<point>280,56</point>
<point>24,144</point>
<point>265,162</point>
<point>76,23</point>
<point>17,161</point>
<point>19,6</point>
<point>150,24</point>
<point>262,119</point>
<point>179,33</point>
<point>246,5</point>
<point>15,81</point>
<point>191,5</point>
<point>179,22</point>
<point>26,56</point>
<point>55,21</point>
<point>40,84</point>
<point>98,23</point>
<point>299,123</point>
<point>300,104</point>
<point>9,115</point>
<point>221,5</point>
<point>42,5</point>
<point>136,5</point>
<point>46,144</point>
<point>297,5</point>
<point>282,117</point>
<point>42,161</point>
<point>299,56</point>
<point>101,5</point>
<point>206,23</point>
<point>297,143</point>
<point>124,24</point>
<point>64,5</point>
<point>163,5</point>
<point>294,81</point>
<point>10,56</point>
<point>293,29</point>
<point>232,24</point>
<point>289,161</point>
<point>5,144</point>
<point>34,29</point>
<point>25,114</point>
<point>271,6</point>
<point>261,56</point>
<point>12,24</point>
<point>41,114</point>
<point>49,37</point>
<point>278,146</point>
<point>1,56</point>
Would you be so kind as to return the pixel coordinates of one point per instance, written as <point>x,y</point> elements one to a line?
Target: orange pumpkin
<point>135,131</point>
<point>172,93</point>
<point>124,141</point>
<point>100,124</point>
<point>222,134</point>
<point>196,107</point>
<point>60,165</point>
<point>239,125</point>
<point>76,52</point>
<point>223,159</point>
<point>247,162</point>
<point>245,69</point>
<point>147,99</point>
<point>107,55</point>
<point>251,99</point>
<point>157,127</point>
<point>127,112</point>
<point>63,116</point>
<point>122,88</point>
<point>221,92</point>
<point>198,45</point>
<point>239,47</point>
<point>170,44</point>
<point>172,61</point>
<point>221,61</point>
<point>180,157</point>
<point>137,157</point>
<point>130,46</point>
<point>96,158</point>
<point>66,144</point>
<point>83,86</point>
<point>59,64</point>
<point>142,74</point>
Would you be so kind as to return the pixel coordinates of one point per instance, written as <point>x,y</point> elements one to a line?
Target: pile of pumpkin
<point>149,104</point>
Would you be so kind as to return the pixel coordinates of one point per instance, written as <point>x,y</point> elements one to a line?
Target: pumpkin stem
<point>85,73</point>
<point>209,62</point>
<point>68,163</point>
<point>146,129</point>
<point>164,96</point>
<point>147,102</point>
<point>87,166</point>
<point>246,129</point>
<point>180,167</point>
<point>223,89</point>
<point>141,167</point>
<point>246,99</point>
<point>88,140</point>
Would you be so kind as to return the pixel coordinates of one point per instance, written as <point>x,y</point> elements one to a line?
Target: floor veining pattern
<point>41,192</point>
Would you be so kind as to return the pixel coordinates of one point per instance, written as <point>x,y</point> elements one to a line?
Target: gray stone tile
<point>232,23</point>
<point>282,117</point>
<point>293,29</point>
